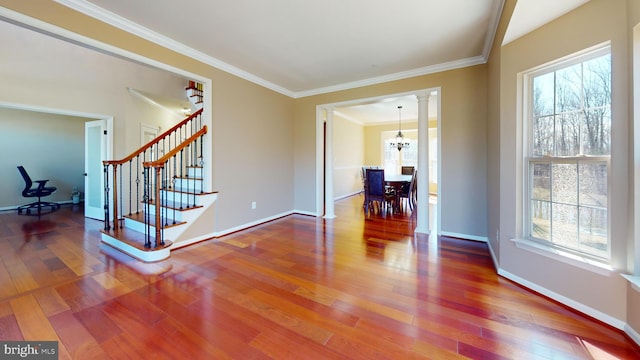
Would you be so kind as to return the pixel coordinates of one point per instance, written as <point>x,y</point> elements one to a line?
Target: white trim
<point>306,213</point>
<point>635,156</point>
<point>565,257</point>
<point>119,22</point>
<point>618,324</point>
<point>496,14</point>
<point>464,236</point>
<point>48,110</point>
<point>146,256</point>
<point>155,103</point>
<point>347,195</point>
<point>131,27</point>
<point>251,224</point>
<point>632,334</point>
<point>453,65</point>
<point>634,280</point>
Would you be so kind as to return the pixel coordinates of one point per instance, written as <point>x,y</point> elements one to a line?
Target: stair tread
<point>139,217</point>
<point>191,192</point>
<point>186,177</point>
<point>134,238</point>
<point>178,206</point>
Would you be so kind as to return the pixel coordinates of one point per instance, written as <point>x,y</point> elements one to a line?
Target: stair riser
<point>173,196</point>
<point>169,233</point>
<point>188,184</point>
<point>184,215</point>
<point>194,172</point>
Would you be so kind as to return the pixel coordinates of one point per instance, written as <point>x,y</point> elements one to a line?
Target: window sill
<point>565,257</point>
<point>634,280</point>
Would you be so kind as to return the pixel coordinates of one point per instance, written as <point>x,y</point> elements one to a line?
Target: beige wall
<point>349,150</point>
<point>603,295</point>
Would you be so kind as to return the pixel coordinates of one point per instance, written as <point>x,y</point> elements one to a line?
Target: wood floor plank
<point>79,342</point>
<point>9,329</point>
<point>353,287</point>
<point>50,301</point>
<point>32,321</point>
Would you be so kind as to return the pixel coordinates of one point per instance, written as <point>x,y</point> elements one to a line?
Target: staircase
<point>154,195</point>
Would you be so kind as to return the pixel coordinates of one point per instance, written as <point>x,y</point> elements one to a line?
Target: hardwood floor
<point>297,288</point>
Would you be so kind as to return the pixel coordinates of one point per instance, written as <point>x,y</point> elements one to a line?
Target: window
<point>394,159</point>
<point>569,147</point>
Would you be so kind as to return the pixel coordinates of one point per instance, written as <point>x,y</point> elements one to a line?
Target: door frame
<point>96,212</point>
<point>324,142</point>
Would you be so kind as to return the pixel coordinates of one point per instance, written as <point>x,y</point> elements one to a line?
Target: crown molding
<point>496,14</point>
<point>452,65</point>
<point>124,24</point>
<point>121,23</point>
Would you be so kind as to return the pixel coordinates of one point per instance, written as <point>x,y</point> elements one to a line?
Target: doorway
<point>97,141</point>
<point>427,103</point>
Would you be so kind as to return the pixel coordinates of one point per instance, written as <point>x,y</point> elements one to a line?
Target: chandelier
<point>400,142</point>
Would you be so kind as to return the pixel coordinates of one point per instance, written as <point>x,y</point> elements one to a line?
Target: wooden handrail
<point>154,142</point>
<point>160,162</point>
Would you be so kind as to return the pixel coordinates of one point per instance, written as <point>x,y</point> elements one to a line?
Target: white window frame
<point>526,240</point>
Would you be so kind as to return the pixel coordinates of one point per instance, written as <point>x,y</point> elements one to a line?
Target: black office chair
<point>39,191</point>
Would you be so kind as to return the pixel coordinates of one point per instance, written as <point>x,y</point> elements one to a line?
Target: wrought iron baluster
<point>147,208</point>
<point>120,200</point>
<point>173,184</point>
<point>138,184</point>
<point>185,178</point>
<point>130,186</point>
<point>107,220</point>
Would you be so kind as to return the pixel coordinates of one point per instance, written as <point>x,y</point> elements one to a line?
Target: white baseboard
<point>618,324</point>
<point>632,334</point>
<point>15,207</point>
<point>251,224</point>
<point>347,195</point>
<point>464,236</point>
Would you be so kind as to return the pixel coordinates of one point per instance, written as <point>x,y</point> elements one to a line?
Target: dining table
<point>397,181</point>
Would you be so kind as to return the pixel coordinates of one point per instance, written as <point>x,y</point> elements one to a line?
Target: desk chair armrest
<point>41,183</point>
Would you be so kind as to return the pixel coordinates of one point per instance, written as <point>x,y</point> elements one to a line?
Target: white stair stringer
<point>185,216</point>
<point>175,236</point>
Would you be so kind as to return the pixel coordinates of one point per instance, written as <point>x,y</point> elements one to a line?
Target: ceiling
<point>302,48</point>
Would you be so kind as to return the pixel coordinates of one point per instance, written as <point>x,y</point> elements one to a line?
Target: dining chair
<point>410,191</point>
<point>407,170</point>
<point>376,192</point>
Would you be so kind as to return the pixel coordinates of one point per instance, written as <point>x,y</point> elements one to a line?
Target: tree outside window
<point>569,153</point>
